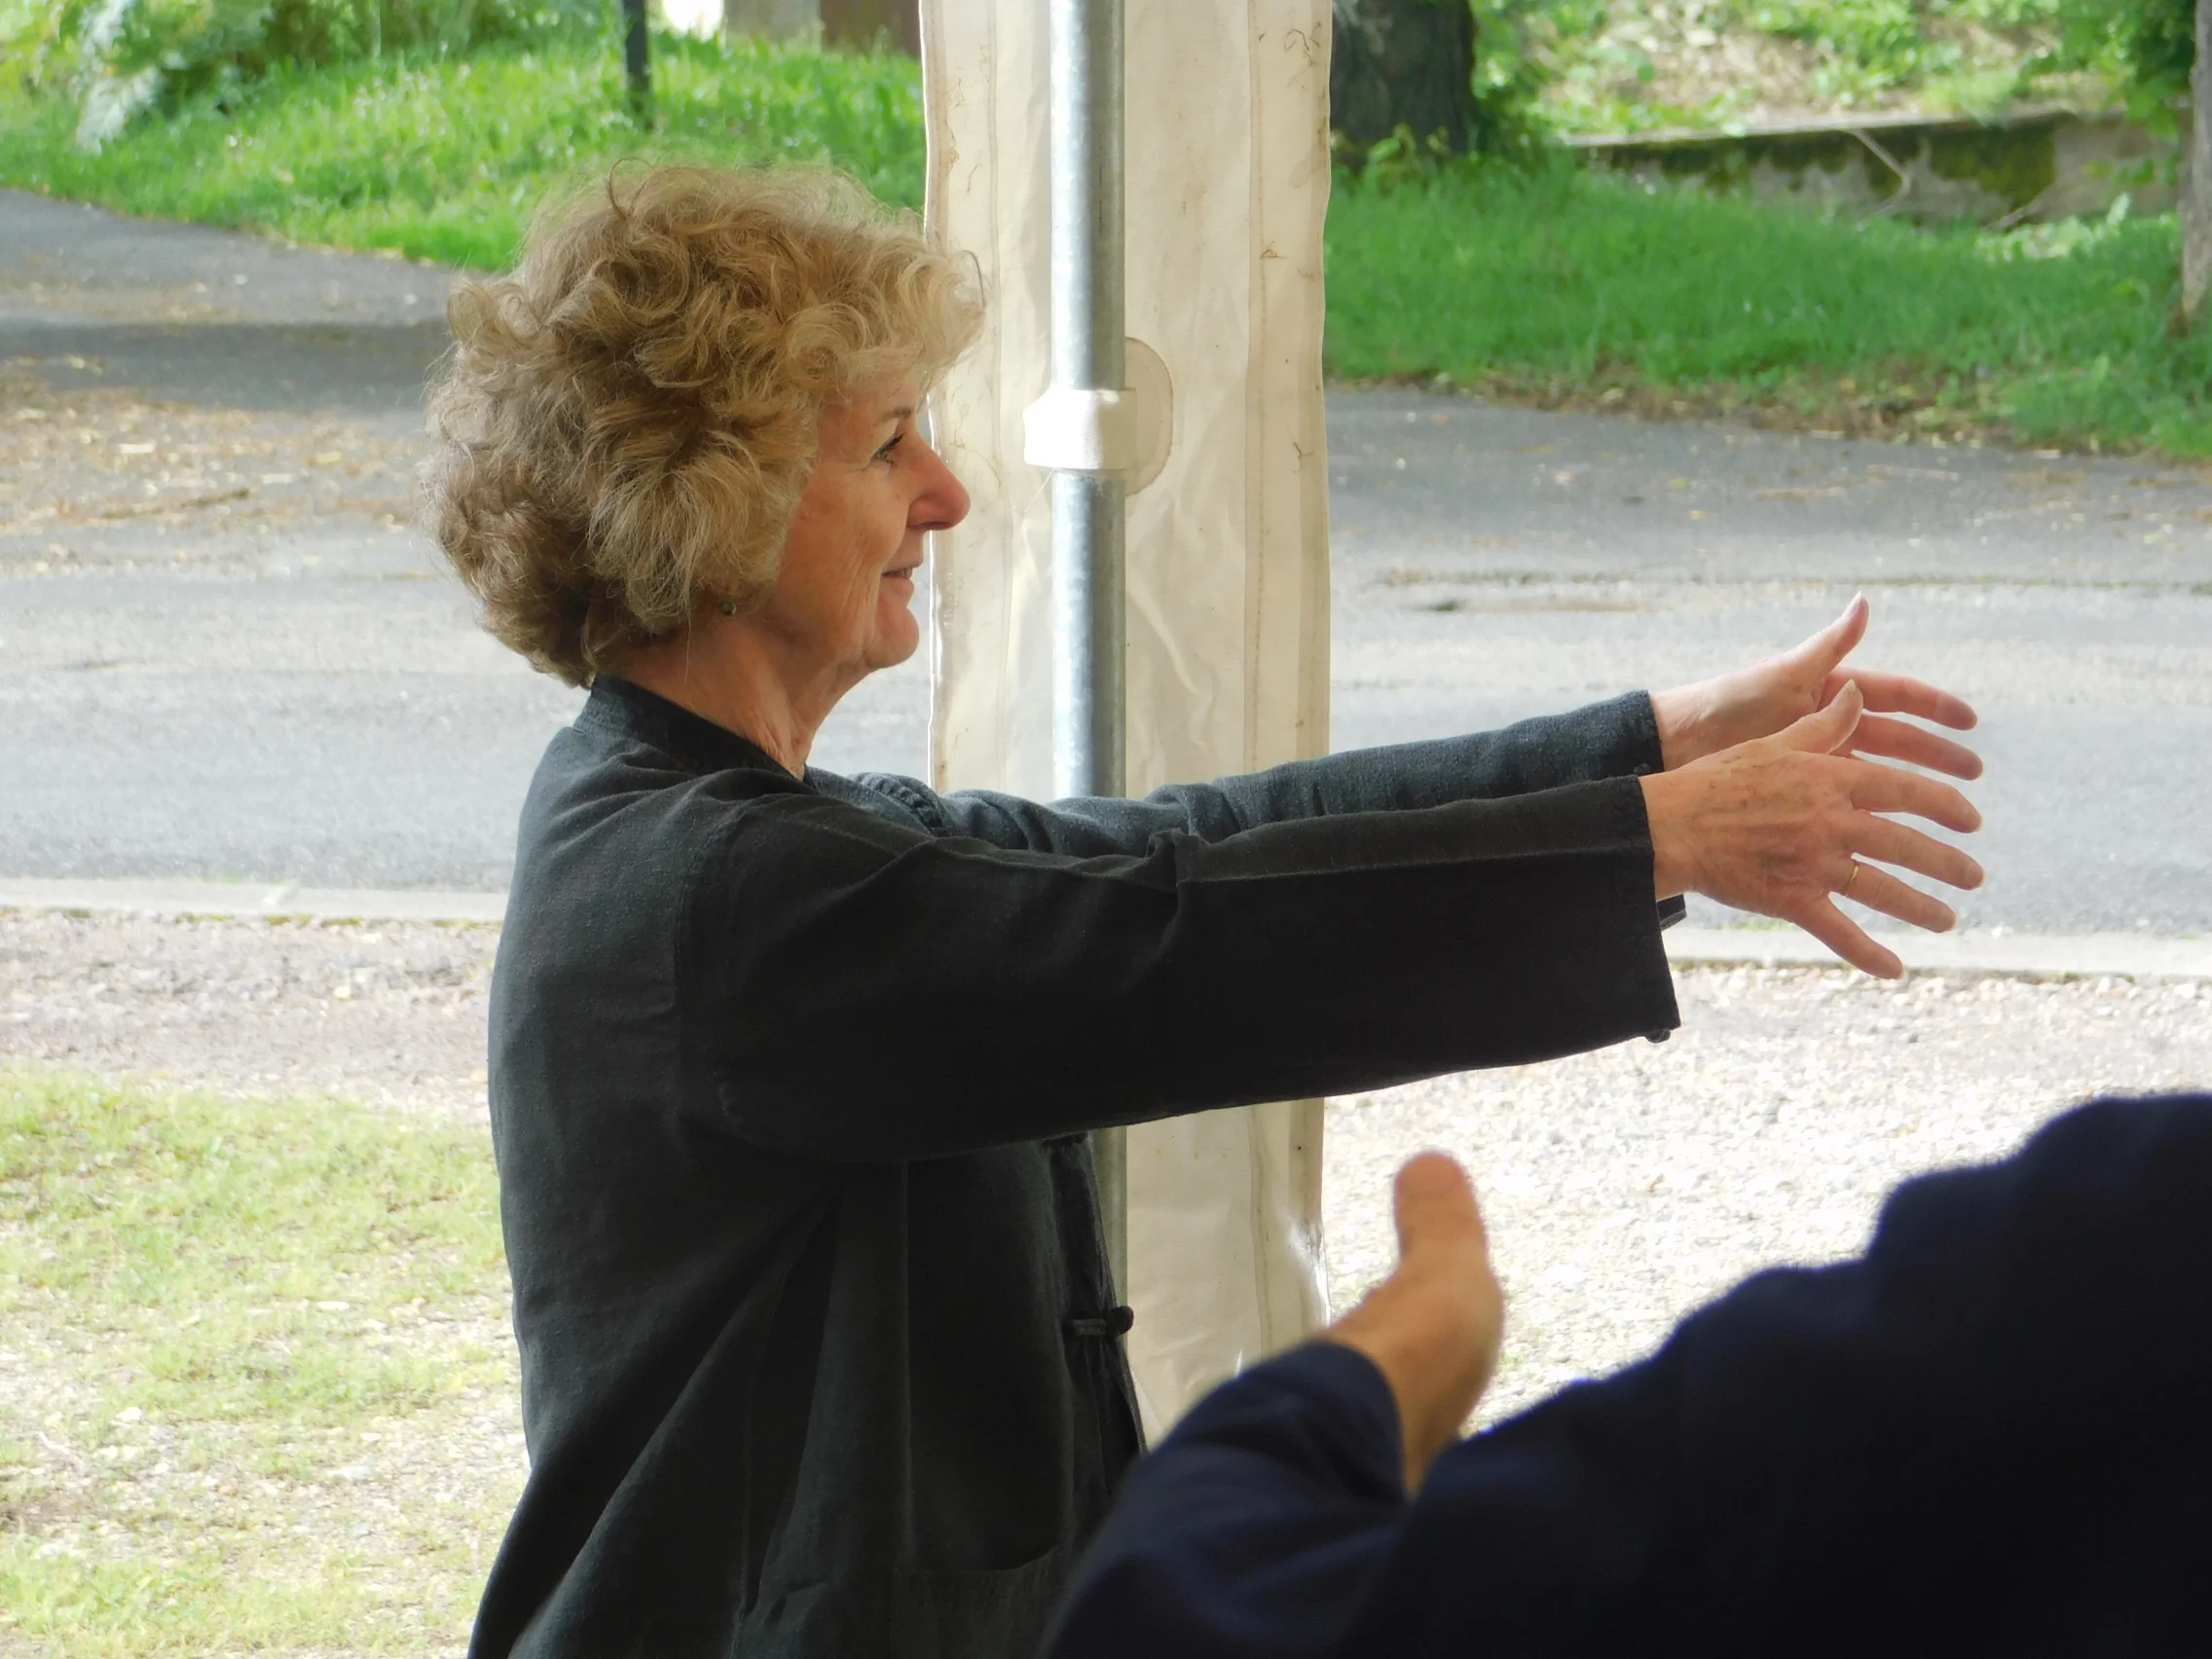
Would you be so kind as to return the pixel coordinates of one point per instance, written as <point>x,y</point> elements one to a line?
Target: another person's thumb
<point>1432,1327</point>
<point>1435,1207</point>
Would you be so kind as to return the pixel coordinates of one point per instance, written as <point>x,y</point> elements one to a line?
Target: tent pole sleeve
<point>1089,624</point>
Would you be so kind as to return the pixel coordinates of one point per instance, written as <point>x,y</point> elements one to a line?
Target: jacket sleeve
<point>1988,1431</point>
<point>1257,1528</point>
<point>1616,739</point>
<point>864,991</point>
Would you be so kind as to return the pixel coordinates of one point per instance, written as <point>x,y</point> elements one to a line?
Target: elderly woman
<point>791,1074</point>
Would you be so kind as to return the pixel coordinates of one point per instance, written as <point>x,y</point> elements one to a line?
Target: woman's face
<point>845,593</point>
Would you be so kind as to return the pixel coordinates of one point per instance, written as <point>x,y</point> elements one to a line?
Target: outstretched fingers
<point>1849,941</point>
<point>1915,746</point>
<point>1901,694</point>
<point>1879,890</point>
<point>1876,787</point>
<point>1892,843</point>
<point>1775,825</point>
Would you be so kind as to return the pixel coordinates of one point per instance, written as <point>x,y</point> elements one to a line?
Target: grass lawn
<point>1563,288</point>
<point>445,159</point>
<point>1579,289</point>
<point>256,1390</point>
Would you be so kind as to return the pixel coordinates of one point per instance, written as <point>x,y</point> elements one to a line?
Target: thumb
<point>1838,640</point>
<point>1435,1207</point>
<point>1826,730</point>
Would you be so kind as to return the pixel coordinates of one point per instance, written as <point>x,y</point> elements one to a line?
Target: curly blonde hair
<point>628,419</point>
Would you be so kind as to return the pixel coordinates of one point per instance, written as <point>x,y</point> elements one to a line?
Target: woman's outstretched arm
<point>859,990</point>
<point>1629,736</point>
<point>870,989</point>
<point>1614,739</point>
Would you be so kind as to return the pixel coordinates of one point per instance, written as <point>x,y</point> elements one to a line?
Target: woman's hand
<point>1432,1327</point>
<point>1758,701</point>
<point>1779,825</point>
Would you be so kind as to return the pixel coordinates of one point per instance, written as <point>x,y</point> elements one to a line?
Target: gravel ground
<point>391,1015</point>
<point>99,479</point>
<point>1622,1187</point>
<point>1625,1186</point>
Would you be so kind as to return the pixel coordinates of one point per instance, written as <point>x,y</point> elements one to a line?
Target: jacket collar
<point>625,710</point>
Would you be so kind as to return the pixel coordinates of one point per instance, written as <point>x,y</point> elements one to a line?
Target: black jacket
<point>790,1084</point>
<point>1988,1436</point>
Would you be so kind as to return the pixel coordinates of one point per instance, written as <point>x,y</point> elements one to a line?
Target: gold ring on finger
<point>1850,882</point>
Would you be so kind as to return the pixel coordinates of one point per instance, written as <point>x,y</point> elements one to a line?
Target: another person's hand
<point>1758,701</point>
<point>1432,1327</point>
<point>1780,824</point>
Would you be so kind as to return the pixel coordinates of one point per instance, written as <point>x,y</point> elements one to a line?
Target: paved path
<point>1490,561</point>
<point>223,654</point>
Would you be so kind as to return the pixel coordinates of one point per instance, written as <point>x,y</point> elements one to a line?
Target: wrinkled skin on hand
<point>1759,701</point>
<point>1775,826</point>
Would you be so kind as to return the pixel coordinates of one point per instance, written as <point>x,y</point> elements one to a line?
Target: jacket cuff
<point>1330,1410</point>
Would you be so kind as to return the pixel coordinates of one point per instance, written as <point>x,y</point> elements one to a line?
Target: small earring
<point>728,608</point>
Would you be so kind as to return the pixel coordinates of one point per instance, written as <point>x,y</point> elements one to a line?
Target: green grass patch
<point>444,158</point>
<point>1572,287</point>
<point>254,1380</point>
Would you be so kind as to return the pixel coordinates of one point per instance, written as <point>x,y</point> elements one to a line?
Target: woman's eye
<point>884,454</point>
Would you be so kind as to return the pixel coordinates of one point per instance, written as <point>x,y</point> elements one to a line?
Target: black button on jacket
<point>790,1080</point>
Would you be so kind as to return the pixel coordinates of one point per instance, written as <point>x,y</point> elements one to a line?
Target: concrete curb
<point>287,901</point>
<point>2043,956</point>
<point>2130,956</point>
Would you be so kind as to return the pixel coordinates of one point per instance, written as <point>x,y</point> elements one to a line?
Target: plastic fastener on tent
<point>1129,434</point>
<point>1071,430</point>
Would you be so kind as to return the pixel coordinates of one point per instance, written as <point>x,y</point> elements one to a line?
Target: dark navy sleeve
<point>1987,1435</point>
<point>1257,1528</point>
<point>1989,1431</point>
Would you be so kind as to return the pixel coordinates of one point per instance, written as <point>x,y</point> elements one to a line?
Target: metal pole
<point>1088,330</point>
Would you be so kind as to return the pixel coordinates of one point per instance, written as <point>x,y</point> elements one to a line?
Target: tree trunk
<point>778,20</point>
<point>861,23</point>
<point>2197,198</point>
<point>1403,63</point>
<point>637,61</point>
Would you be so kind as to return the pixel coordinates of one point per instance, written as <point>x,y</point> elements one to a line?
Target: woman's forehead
<point>896,393</point>
<point>870,405</point>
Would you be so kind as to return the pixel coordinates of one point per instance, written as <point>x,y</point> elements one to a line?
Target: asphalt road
<point>222,653</point>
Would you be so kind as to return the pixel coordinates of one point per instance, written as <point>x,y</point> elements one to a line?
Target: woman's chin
<point>898,636</point>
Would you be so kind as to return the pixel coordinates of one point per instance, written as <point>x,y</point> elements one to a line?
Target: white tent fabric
<point>1228,180</point>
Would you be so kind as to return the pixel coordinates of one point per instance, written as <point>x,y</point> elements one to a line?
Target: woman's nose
<point>943,498</point>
